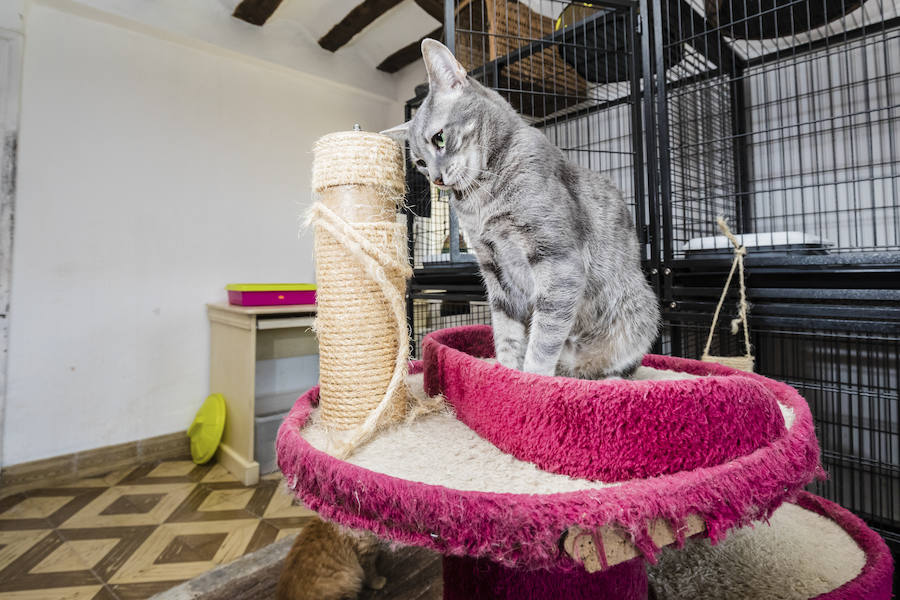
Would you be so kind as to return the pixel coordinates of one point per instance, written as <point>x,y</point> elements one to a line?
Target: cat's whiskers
<point>479,183</point>
<point>471,184</point>
<point>479,179</point>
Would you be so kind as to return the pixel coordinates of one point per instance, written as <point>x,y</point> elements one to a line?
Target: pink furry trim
<point>603,430</point>
<point>523,530</point>
<point>875,580</point>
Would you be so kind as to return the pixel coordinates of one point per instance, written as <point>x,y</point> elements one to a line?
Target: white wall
<point>11,14</point>
<point>152,171</point>
<point>408,78</point>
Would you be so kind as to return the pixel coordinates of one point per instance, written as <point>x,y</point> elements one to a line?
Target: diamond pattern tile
<point>226,500</point>
<point>189,548</point>
<point>175,468</point>
<point>75,556</point>
<point>133,533</point>
<point>97,513</point>
<point>142,566</point>
<point>219,474</point>
<point>14,544</point>
<point>35,508</point>
<point>133,504</point>
<point>44,508</point>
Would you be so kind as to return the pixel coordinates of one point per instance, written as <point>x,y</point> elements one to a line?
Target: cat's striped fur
<point>555,241</point>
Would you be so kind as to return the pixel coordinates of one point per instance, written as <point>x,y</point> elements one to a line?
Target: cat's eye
<point>438,139</point>
<point>420,163</point>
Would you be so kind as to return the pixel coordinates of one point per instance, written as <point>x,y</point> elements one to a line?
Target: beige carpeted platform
<point>438,449</point>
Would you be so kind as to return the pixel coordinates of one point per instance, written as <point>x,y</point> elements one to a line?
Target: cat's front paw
<point>539,368</point>
<point>510,352</point>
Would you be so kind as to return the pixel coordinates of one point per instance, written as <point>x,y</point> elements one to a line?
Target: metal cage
<point>785,118</point>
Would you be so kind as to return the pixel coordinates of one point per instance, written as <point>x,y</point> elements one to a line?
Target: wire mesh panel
<point>824,135</point>
<point>433,313</point>
<point>703,171</point>
<point>431,231</point>
<point>570,69</point>
<point>784,117</point>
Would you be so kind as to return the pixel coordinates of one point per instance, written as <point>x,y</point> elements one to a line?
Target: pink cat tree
<point>725,447</point>
<point>548,487</point>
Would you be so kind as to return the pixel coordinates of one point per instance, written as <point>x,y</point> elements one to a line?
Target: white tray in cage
<point>770,242</point>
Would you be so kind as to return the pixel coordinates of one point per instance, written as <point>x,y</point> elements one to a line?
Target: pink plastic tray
<point>271,298</point>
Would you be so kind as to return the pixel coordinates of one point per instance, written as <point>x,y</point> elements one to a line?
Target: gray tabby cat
<point>555,241</point>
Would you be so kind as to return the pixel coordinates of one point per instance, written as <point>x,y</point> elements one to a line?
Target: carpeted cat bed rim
<point>523,530</point>
<point>875,581</point>
<point>607,430</point>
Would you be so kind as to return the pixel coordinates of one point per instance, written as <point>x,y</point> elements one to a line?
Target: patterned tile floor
<point>136,532</point>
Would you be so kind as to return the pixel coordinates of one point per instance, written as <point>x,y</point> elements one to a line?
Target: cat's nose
<point>439,181</point>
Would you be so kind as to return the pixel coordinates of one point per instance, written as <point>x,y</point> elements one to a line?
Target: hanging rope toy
<point>745,362</point>
<point>361,271</point>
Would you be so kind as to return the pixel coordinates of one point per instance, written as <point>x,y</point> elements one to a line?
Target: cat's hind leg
<point>624,346</point>
<point>624,372</point>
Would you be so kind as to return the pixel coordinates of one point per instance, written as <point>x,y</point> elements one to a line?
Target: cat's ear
<point>398,133</point>
<point>444,71</point>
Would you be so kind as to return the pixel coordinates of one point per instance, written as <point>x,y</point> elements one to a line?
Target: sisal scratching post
<point>745,362</point>
<point>361,272</point>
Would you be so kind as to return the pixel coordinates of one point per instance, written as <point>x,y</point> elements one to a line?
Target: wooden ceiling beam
<point>356,20</point>
<point>408,54</point>
<point>255,12</point>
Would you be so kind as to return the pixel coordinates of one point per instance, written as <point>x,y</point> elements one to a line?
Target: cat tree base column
<point>481,579</point>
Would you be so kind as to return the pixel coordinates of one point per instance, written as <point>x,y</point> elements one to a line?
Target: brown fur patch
<point>328,563</point>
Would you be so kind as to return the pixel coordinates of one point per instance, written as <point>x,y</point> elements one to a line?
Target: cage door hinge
<point>640,24</point>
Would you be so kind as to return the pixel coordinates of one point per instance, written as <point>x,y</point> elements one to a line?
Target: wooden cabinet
<point>239,336</point>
